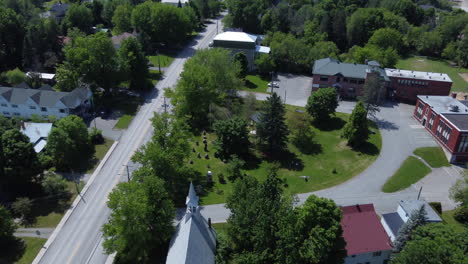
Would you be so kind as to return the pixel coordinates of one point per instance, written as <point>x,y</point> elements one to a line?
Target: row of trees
<point>300,32</point>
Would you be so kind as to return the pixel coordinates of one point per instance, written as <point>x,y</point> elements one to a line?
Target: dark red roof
<point>362,230</point>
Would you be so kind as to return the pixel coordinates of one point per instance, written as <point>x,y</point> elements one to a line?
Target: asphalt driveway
<point>295,88</point>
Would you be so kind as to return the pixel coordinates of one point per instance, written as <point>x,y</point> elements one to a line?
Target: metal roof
<point>393,221</point>
<point>262,49</point>
<point>329,66</point>
<point>362,230</point>
<point>458,120</point>
<point>430,76</point>
<point>236,36</point>
<point>37,133</point>
<point>443,104</point>
<point>409,206</point>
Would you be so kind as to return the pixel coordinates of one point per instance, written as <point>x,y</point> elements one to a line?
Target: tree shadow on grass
<point>250,85</point>
<point>252,162</point>
<point>367,148</point>
<point>288,160</point>
<point>334,123</point>
<point>310,148</point>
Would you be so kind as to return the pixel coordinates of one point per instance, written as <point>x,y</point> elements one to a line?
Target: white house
<point>366,240</point>
<point>43,102</point>
<point>392,222</point>
<point>176,2</point>
<point>194,241</point>
<point>37,133</point>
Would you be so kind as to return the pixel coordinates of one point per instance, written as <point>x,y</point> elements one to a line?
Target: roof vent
<point>454,108</point>
<point>358,207</point>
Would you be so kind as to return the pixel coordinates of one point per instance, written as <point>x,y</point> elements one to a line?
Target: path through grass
<point>434,156</point>
<point>411,171</point>
<point>426,64</point>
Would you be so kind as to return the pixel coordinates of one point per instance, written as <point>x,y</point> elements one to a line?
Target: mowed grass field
<point>411,171</point>
<point>332,162</point>
<point>434,156</point>
<point>430,65</point>
<point>256,83</point>
<point>33,246</point>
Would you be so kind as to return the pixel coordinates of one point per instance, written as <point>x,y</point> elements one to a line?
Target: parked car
<point>104,112</point>
<point>274,84</point>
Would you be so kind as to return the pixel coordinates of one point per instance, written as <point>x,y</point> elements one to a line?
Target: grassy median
<point>434,156</point>
<point>411,171</point>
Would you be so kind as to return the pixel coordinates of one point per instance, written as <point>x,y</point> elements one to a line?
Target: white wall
<point>368,258</point>
<point>31,108</point>
<point>387,229</point>
<point>402,214</point>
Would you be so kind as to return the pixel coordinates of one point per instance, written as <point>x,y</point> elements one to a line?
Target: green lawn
<point>164,58</point>
<point>331,153</point>
<point>155,76</point>
<point>126,105</point>
<point>434,156</point>
<point>256,83</point>
<point>100,152</point>
<point>447,216</point>
<point>426,64</point>
<point>33,246</point>
<point>411,171</point>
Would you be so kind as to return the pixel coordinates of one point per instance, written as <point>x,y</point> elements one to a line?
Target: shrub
<point>22,208</point>
<point>54,184</point>
<point>461,214</point>
<point>95,136</point>
<point>437,206</point>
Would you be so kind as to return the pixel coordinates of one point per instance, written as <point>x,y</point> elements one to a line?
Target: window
<point>361,81</point>
<point>443,132</point>
<point>32,107</point>
<point>4,105</point>
<point>14,106</point>
<point>44,116</point>
<point>353,81</point>
<point>323,78</point>
<point>62,110</point>
<point>463,146</point>
<point>345,80</point>
<point>351,90</point>
<point>353,256</point>
<point>377,253</point>
<point>16,114</point>
<point>338,79</point>
<point>420,109</point>
<point>431,121</point>
<point>44,109</point>
<point>6,113</point>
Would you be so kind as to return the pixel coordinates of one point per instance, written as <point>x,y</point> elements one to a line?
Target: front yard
<point>256,83</point>
<point>165,59</point>
<point>126,106</point>
<point>332,162</point>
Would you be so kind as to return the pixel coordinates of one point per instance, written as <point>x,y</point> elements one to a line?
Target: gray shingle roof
<point>459,120</point>
<point>393,221</point>
<point>409,206</point>
<point>45,98</point>
<point>329,66</point>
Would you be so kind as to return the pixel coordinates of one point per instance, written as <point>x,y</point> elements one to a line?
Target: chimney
<point>209,222</point>
<point>454,95</point>
<point>366,61</point>
<point>358,207</point>
<point>23,127</point>
<point>466,97</point>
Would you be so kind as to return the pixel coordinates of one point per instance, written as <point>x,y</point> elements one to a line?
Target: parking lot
<point>295,88</point>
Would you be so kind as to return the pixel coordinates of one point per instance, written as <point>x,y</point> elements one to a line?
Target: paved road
<point>80,239</point>
<point>401,134</point>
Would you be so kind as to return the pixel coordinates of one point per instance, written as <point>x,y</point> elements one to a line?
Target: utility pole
<point>271,82</point>
<point>128,172</point>
<point>217,26</point>
<point>159,62</point>
<point>284,95</point>
<point>419,194</point>
<point>165,105</point>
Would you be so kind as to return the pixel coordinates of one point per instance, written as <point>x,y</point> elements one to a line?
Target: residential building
<point>349,80</point>
<point>25,102</point>
<point>194,240</point>
<point>37,133</point>
<point>241,42</point>
<point>446,119</point>
<point>118,39</point>
<point>45,77</point>
<point>407,85</point>
<point>392,222</point>
<point>366,240</point>
<point>58,11</point>
<point>175,2</point>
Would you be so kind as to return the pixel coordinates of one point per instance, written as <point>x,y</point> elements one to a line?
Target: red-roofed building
<point>366,239</point>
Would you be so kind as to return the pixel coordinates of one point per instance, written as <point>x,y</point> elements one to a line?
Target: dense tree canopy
<point>208,78</point>
<point>133,64</point>
<point>12,247</point>
<point>322,103</point>
<point>232,137</point>
<point>79,16</point>
<point>11,39</point>
<point>122,19</point>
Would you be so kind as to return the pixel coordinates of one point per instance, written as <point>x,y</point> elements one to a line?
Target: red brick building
<point>407,85</point>
<point>349,79</point>
<point>447,120</point>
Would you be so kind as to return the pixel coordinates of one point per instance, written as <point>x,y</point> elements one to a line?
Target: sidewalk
<point>34,232</point>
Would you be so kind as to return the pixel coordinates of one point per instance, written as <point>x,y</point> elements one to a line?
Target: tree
<point>462,51</point>
<point>20,163</point>
<point>93,58</point>
<point>243,62</point>
<point>78,16</point>
<point>207,79</point>
<point>233,168</point>
<point>167,155</point>
<point>67,78</point>
<point>54,184</point>
<point>68,143</point>
<point>140,224</point>
<point>430,43</point>
<point>264,64</point>
<point>271,129</point>
<point>405,234</point>
<point>385,38</point>
<point>373,94</point>
<point>356,130</point>
<point>246,14</point>
<point>322,103</point>
<point>232,137</point>
<point>122,19</point>
<point>22,208</point>
<point>459,193</point>
<point>302,135</point>
<point>12,247</point>
<point>11,38</point>
<point>15,77</point>
<point>433,244</point>
<point>133,64</point>
<point>386,57</point>
<point>290,53</point>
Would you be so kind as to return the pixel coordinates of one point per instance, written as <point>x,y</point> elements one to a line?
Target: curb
<point>67,215</point>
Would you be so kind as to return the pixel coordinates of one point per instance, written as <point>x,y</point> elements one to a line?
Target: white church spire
<point>192,198</point>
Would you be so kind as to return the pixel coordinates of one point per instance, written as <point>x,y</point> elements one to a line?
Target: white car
<point>274,84</point>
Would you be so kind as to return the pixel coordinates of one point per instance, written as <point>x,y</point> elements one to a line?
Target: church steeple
<point>192,199</point>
